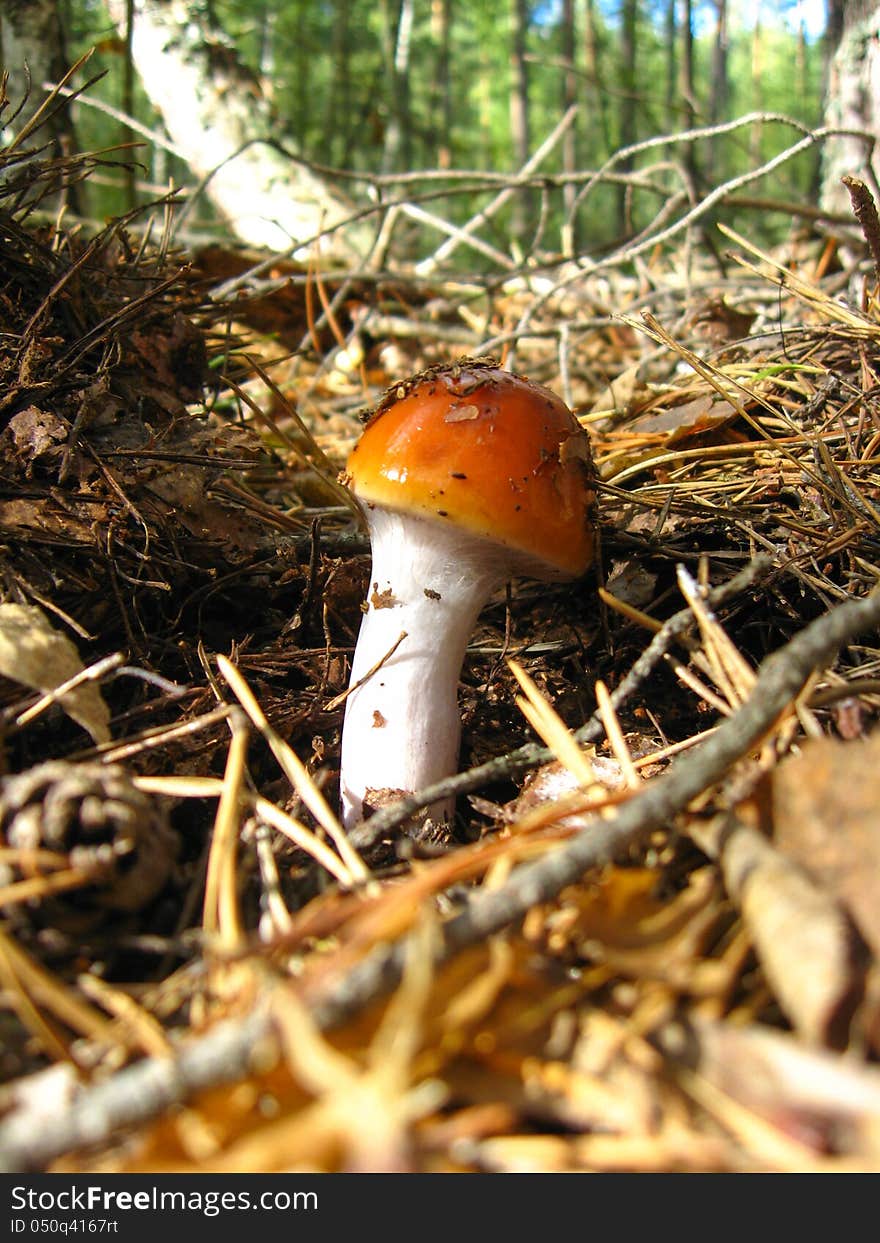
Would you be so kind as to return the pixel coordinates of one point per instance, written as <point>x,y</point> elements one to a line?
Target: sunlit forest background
<point>409,87</point>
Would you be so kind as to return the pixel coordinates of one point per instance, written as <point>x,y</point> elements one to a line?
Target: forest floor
<point>651,943</point>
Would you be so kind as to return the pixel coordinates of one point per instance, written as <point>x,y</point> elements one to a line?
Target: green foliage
<point>330,67</point>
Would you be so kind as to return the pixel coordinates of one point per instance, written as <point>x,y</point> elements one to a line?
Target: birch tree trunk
<point>853,95</point>
<point>32,52</point>
<point>32,46</point>
<point>397,39</point>
<point>224,126</point>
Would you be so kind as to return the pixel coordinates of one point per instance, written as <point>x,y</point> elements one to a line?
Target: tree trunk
<point>224,126</point>
<point>757,97</point>
<point>398,135</point>
<point>720,85</point>
<point>853,96</point>
<point>593,61</point>
<point>519,108</point>
<point>519,87</point>
<point>671,109</point>
<point>688,96</point>
<point>627,131</point>
<point>32,44</point>
<point>32,52</point>
<point>570,138</point>
<point>128,77</point>
<point>339,105</point>
<point>266,26</point>
<point>800,61</point>
<point>441,87</point>
<point>302,72</point>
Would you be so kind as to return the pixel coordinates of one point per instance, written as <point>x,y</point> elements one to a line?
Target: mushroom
<point>468,476</point>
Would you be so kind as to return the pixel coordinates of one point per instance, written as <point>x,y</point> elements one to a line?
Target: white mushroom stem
<point>429,581</point>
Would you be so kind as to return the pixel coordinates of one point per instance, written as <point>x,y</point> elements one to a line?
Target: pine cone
<point>95,815</point>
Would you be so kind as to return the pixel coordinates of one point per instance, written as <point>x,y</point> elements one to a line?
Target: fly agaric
<point>468,476</point>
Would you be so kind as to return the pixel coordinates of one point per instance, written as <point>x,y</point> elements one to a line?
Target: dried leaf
<point>624,922</point>
<point>824,812</point>
<point>34,434</point>
<point>19,517</point>
<point>702,414</point>
<point>631,582</point>
<point>821,1099</point>
<point>715,322</point>
<point>620,396</point>
<point>804,940</point>
<point>40,657</point>
<point>554,781</point>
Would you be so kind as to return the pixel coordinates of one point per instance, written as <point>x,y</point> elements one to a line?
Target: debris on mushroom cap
<point>471,444</point>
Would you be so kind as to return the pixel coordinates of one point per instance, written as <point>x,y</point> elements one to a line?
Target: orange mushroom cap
<point>481,448</point>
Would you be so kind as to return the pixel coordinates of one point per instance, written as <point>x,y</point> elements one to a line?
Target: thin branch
<point>485,214</point>
<point>631,251</point>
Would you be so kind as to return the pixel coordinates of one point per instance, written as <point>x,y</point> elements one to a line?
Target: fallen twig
<point>231,1050</point>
